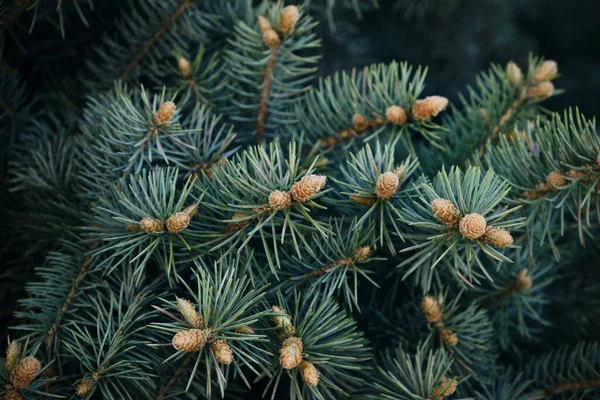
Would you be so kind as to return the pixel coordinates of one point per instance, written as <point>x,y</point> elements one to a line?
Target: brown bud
<point>573,174</point>
<point>165,113</point>
<point>244,330</point>
<point>431,310</point>
<point>515,76</point>
<point>191,340</point>
<point>399,172</point>
<point>13,352</point>
<point>264,24</point>
<point>545,72</point>
<point>445,212</point>
<point>497,237</point>
<point>279,200</point>
<point>307,187</point>
<point>359,122</point>
<point>387,185</point>
<point>428,107</point>
<point>271,39</point>
<point>523,281</point>
<point>239,225</point>
<point>555,178</point>
<point>184,67</point>
<point>26,371</point>
<point>361,254</point>
<point>309,373</point>
<point>367,201</point>
<point>445,388</point>
<point>191,210</point>
<point>472,226</point>
<point>178,222</point>
<point>287,20</point>
<point>290,354</point>
<point>189,313</point>
<point>396,115</point>
<point>283,322</point>
<point>541,91</point>
<point>151,225</point>
<point>85,387</point>
<point>448,337</point>
<point>222,351</point>
<point>12,394</point>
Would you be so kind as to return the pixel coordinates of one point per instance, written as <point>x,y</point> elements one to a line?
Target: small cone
<point>191,340</point>
<point>309,373</point>
<point>359,122</point>
<point>12,394</point>
<point>85,387</point>
<point>271,39</point>
<point>184,67</point>
<point>178,222</point>
<point>445,212</point>
<point>222,351</point>
<point>448,337</point>
<point>545,72</point>
<point>151,225</point>
<point>445,388</point>
<point>497,237</point>
<point>523,281</point>
<point>13,352</point>
<point>279,200</point>
<point>431,309</point>
<point>428,107</point>
<point>165,113</point>
<point>307,187</point>
<point>361,254</point>
<point>26,371</point>
<point>541,91</point>
<point>396,115</point>
<point>264,24</point>
<point>555,178</point>
<point>287,20</point>
<point>366,201</point>
<point>472,226</point>
<point>188,311</point>
<point>283,322</point>
<point>290,354</point>
<point>387,185</point>
<point>245,330</point>
<point>515,76</point>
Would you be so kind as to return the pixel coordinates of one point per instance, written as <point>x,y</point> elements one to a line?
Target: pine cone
<point>396,115</point>
<point>290,354</point>
<point>472,226</point>
<point>366,201</point>
<point>361,254</point>
<point>151,225</point>
<point>271,39</point>
<point>359,122</point>
<point>85,387</point>
<point>387,185</point>
<point>497,237</point>
<point>445,388</point>
<point>279,200</point>
<point>13,352</point>
<point>184,67</point>
<point>191,340</point>
<point>523,281</point>
<point>26,371</point>
<point>541,91</point>
<point>431,309</point>
<point>165,113</point>
<point>309,373</point>
<point>264,24</point>
<point>287,20</point>
<point>515,76</point>
<point>222,351</point>
<point>245,330</point>
<point>448,337</point>
<point>445,212</point>
<point>555,178</point>
<point>178,222</point>
<point>428,107</point>
<point>12,394</point>
<point>307,187</point>
<point>545,72</point>
<point>283,322</point>
<point>188,311</point>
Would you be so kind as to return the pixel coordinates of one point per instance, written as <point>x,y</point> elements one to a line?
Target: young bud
<point>361,254</point>
<point>359,122</point>
<point>523,281</point>
<point>307,187</point>
<point>239,225</point>
<point>13,352</point>
<point>366,201</point>
<point>12,394</point>
<point>26,371</point>
<point>191,340</point>
<point>472,226</point>
<point>497,237</point>
<point>428,107</point>
<point>184,67</point>
<point>264,24</point>
<point>399,172</point>
<point>445,388</point>
<point>445,212</point>
<point>396,115</point>
<point>555,178</point>
<point>271,39</point>
<point>151,225</point>
<point>191,210</point>
<point>309,373</point>
<point>189,313</point>
<point>541,91</point>
<point>387,185</point>
<point>279,200</point>
<point>222,351</point>
<point>85,387</point>
<point>431,310</point>
<point>515,76</point>
<point>165,113</point>
<point>178,222</point>
<point>545,72</point>
<point>290,354</point>
<point>448,337</point>
<point>244,330</point>
<point>283,322</point>
<point>287,20</point>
